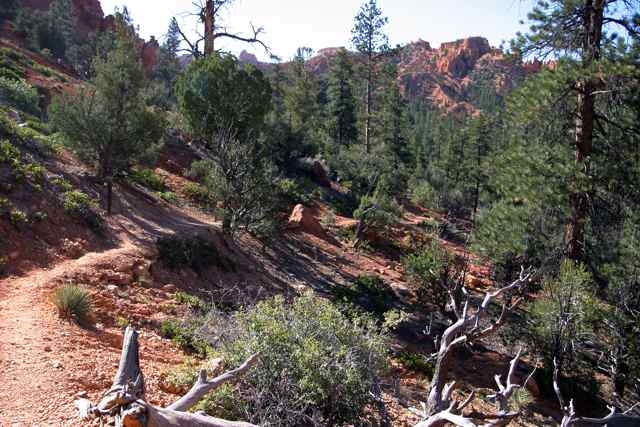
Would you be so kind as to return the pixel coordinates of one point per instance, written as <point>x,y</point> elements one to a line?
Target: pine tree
<point>172,40</point>
<point>63,27</point>
<point>342,106</point>
<point>110,124</point>
<point>301,96</point>
<point>578,29</point>
<point>369,39</point>
<point>166,73</point>
<point>393,124</point>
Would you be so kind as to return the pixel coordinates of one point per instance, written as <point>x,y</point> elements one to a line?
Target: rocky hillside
<point>449,77</point>
<point>90,19</point>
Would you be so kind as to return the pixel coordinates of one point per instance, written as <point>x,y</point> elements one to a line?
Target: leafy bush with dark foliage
<point>369,292</point>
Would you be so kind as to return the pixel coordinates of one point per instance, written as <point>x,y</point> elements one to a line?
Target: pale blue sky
<point>327,23</point>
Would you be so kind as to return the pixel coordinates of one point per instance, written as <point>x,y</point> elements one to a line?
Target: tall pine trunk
<point>367,129</point>
<point>593,20</point>
<point>209,27</point>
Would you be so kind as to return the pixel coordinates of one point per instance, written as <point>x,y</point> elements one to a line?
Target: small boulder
<point>302,218</point>
<point>169,287</point>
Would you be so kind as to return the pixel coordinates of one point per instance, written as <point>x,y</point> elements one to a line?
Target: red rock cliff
<point>88,12</point>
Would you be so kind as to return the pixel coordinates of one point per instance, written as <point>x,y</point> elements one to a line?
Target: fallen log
<point>125,400</point>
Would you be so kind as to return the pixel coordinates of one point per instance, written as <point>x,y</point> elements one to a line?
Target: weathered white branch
<point>452,414</point>
<point>466,329</point>
<point>506,391</point>
<point>569,417</point>
<point>202,386</point>
<point>125,398</point>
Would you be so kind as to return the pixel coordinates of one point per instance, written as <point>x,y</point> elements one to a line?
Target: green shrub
<point>39,126</point>
<point>19,94</point>
<point>198,193</point>
<point>8,128</point>
<point>520,399</point>
<point>223,402</point>
<point>423,194</point>
<point>328,220</point>
<point>435,272</point>
<point>183,334</point>
<point>183,376</point>
<point>432,225</point>
<point>36,172</point>
<point>455,203</point>
<point>18,218</point>
<point>376,212</point>
<point>9,68</point>
<point>77,203</point>
<point>10,154</point>
<point>191,301</point>
<point>73,301</point>
<point>15,55</point>
<point>292,192</point>
<point>566,316</point>
<point>194,252</point>
<point>449,231</point>
<point>149,179</point>
<point>416,362</point>
<point>81,206</point>
<point>315,362</point>
<point>62,184</point>
<point>11,73</point>
<point>169,196</point>
<point>122,322</point>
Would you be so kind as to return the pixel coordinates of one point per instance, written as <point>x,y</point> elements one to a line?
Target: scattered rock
<point>73,248</point>
<point>47,348</point>
<point>169,288</point>
<point>473,281</point>
<point>116,278</point>
<point>56,364</point>
<point>142,272</point>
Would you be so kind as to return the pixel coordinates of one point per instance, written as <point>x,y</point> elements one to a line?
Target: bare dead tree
<point>208,13</point>
<point>465,330</point>
<point>453,413</point>
<point>570,418</point>
<point>125,400</point>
